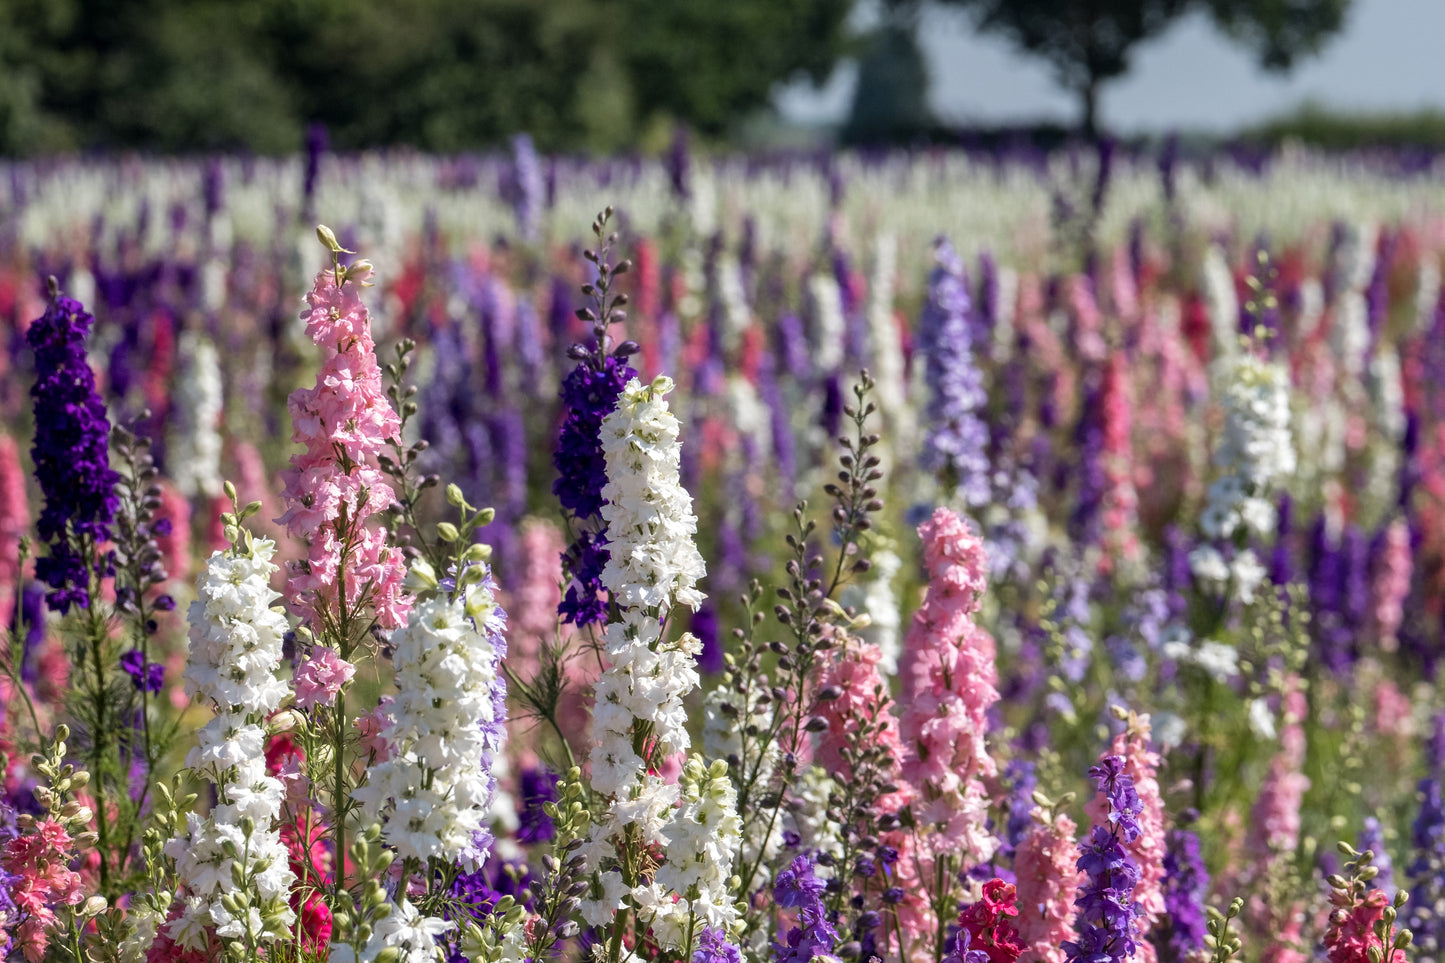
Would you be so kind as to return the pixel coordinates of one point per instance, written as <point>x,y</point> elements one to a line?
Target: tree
<point>444,75</point>
<point>1089,42</point>
<point>890,100</point>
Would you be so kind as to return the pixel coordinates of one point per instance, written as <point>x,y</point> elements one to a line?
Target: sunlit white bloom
<point>830,334</point>
<point>1248,573</point>
<point>654,566</point>
<point>436,786</point>
<point>1218,659</point>
<point>235,650</point>
<point>1169,729</point>
<point>194,443</point>
<point>412,935</point>
<point>1261,720</point>
<point>1208,565</point>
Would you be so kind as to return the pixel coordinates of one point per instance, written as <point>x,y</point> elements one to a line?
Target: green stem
<point>100,738</point>
<point>614,946</point>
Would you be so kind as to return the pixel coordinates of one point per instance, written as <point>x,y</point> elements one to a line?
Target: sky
<point>1390,56</point>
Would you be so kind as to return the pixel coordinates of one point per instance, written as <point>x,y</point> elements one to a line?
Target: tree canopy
<point>1090,42</point>
<point>178,75</point>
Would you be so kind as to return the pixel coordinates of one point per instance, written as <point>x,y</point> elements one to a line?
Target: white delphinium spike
<point>435,788</point>
<point>235,649</point>
<point>639,719</point>
<point>195,442</point>
<point>830,333</point>
<point>1222,299</point>
<point>411,936</point>
<point>1256,450</point>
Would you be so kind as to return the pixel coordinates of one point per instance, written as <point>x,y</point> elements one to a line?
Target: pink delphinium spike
<point>14,522</point>
<point>949,684</point>
<point>175,544</point>
<point>1123,287</point>
<point>533,623</point>
<point>1045,864</point>
<point>1284,944</point>
<point>1088,322</point>
<point>1351,935</point>
<point>334,486</point>
<point>1391,585</point>
<point>1121,501</point>
<point>38,862</point>
<point>863,699</point>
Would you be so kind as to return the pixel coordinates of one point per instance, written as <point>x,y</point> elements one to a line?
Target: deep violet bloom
<point>1107,913</point>
<point>539,787</point>
<point>588,396</point>
<point>1186,883</point>
<point>71,452</point>
<point>145,676</point>
<point>1427,867</point>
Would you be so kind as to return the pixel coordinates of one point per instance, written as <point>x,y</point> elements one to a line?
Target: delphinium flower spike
<point>1107,915</point>
<point>639,720</point>
<point>71,454</point>
<point>589,393</point>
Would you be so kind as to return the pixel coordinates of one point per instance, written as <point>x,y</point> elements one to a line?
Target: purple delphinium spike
<point>798,887</point>
<point>1372,837</point>
<point>1023,780</point>
<point>588,396</point>
<point>713,947</point>
<point>317,141</point>
<point>527,189</point>
<point>956,446</point>
<point>538,787</point>
<point>1180,932</point>
<point>71,452</point>
<point>1107,913</point>
<point>705,627</point>
<point>145,676</point>
<point>1427,839</point>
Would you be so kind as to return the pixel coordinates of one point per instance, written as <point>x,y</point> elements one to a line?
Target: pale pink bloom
<point>949,684</point>
<point>1048,883</point>
<point>1121,500</point>
<point>1275,826</point>
<point>39,861</point>
<point>295,782</point>
<point>1286,938</point>
<point>175,545</point>
<point>1088,322</point>
<point>1394,713</point>
<point>370,726</point>
<point>14,519</point>
<point>1391,585</point>
<point>864,698</point>
<point>321,677</point>
<point>1124,288</point>
<point>334,486</point>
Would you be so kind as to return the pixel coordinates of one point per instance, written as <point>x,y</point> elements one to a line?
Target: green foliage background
<point>442,75</point>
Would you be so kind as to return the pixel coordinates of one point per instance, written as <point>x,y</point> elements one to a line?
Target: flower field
<point>920,557</point>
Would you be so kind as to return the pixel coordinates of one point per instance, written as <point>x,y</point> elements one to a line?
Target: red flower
<point>987,922</point>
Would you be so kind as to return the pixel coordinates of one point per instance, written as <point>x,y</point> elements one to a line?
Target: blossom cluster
<point>71,453</point>
<point>236,639</point>
<point>345,421</point>
<point>432,779</point>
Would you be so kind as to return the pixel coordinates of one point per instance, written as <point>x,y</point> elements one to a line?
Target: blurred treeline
<point>442,75</point>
